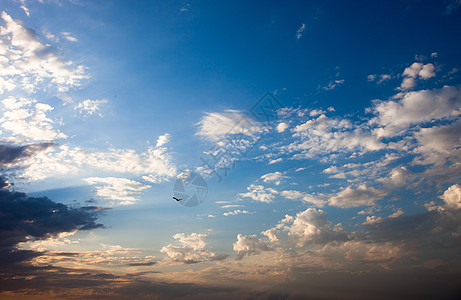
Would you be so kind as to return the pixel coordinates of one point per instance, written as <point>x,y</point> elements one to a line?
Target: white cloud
<point>259,193</point>
<point>281,127</point>
<point>188,249</point>
<point>249,245</point>
<point>452,197</point>
<point>68,36</point>
<point>312,227</point>
<point>297,195</point>
<point>361,196</point>
<point>215,126</point>
<point>324,135</point>
<point>416,107</point>
<point>90,107</point>
<point>26,10</point>
<point>333,84</point>
<point>275,177</point>
<point>123,190</point>
<point>29,63</point>
<point>162,140</point>
<point>299,32</point>
<point>27,119</point>
<point>415,71</point>
<point>236,212</point>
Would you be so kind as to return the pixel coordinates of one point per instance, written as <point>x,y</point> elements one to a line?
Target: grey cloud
<point>12,153</point>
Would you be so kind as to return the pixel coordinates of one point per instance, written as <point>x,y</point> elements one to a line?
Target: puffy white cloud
<point>416,107</point>
<point>90,107</point>
<point>123,190</point>
<point>189,249</point>
<point>361,196</point>
<point>162,140</point>
<point>275,177</point>
<point>326,135</point>
<point>312,227</point>
<point>415,71</point>
<point>281,127</point>
<point>27,119</point>
<point>215,126</point>
<point>259,193</point>
<point>452,197</point>
<point>250,245</point>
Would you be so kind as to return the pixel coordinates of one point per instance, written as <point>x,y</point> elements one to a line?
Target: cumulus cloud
<point>452,197</point>
<point>393,117</point>
<point>323,135</point>
<point>416,71</point>
<point>275,177</point>
<point>27,119</point>
<point>281,127</point>
<point>190,249</point>
<point>249,245</point>
<point>355,197</point>
<point>259,193</point>
<point>124,191</point>
<point>312,227</point>
<point>162,140</point>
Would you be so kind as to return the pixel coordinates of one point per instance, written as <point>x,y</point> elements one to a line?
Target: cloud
<point>123,190</point>
<point>259,193</point>
<point>25,218</point>
<point>416,71</point>
<point>333,84</point>
<point>299,32</point>
<point>361,196</point>
<point>323,135</point>
<point>416,107</point>
<point>216,126</point>
<point>452,197</point>
<point>26,10</point>
<point>312,227</point>
<point>90,107</point>
<point>68,36</point>
<point>27,119</point>
<point>162,140</point>
<point>249,245</point>
<point>12,154</point>
<point>281,127</point>
<point>452,7</point>
<point>190,249</point>
<point>154,165</point>
<point>30,62</point>
<point>297,195</point>
<point>236,212</point>
<point>275,177</point>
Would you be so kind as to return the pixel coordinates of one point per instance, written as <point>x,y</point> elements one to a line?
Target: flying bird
<point>177,199</point>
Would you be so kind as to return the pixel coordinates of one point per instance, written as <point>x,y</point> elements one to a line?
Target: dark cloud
<point>13,153</point>
<point>23,217</point>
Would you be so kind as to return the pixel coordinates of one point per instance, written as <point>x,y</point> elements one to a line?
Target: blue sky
<point>105,104</point>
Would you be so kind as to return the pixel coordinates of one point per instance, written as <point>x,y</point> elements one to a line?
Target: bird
<point>177,199</point>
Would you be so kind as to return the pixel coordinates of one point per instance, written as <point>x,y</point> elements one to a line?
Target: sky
<point>314,148</point>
